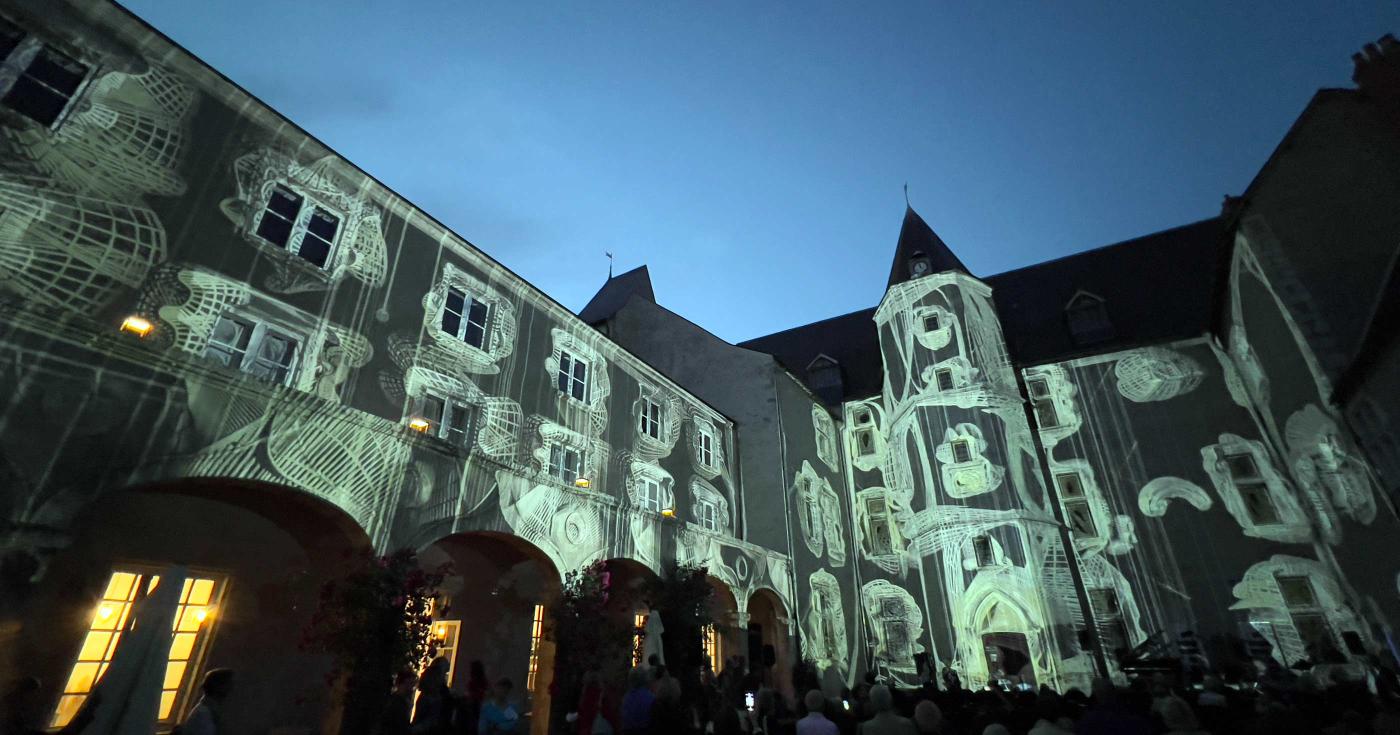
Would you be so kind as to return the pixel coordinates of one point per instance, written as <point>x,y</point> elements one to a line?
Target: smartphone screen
<point>748,700</point>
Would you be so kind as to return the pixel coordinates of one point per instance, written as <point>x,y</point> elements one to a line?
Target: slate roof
<point>1156,288</point>
<point>915,238</point>
<point>614,294</point>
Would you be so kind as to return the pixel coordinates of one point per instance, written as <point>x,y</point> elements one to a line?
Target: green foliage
<point>375,622</point>
<point>591,631</point>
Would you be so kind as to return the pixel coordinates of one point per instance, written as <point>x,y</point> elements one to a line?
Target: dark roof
<point>915,238</point>
<point>850,340</point>
<point>615,293</point>
<point>1155,288</point>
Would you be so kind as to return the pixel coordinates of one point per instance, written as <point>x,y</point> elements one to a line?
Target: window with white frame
<point>707,513</point>
<point>464,317</point>
<point>1253,490</point>
<point>253,346</point>
<point>707,446</point>
<point>944,378</point>
<point>292,222</point>
<point>878,521</point>
<point>825,431</point>
<point>36,79</point>
<point>1079,516</point>
<point>649,421</point>
<point>1042,402</point>
<point>448,418</point>
<point>565,463</point>
<point>650,495</point>
<point>572,378</point>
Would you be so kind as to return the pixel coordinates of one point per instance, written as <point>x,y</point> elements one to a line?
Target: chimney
<point>1377,74</point>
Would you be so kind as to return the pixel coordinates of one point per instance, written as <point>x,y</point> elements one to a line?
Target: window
<point>881,540</point>
<point>198,601</point>
<point>253,347</point>
<point>447,632</point>
<point>649,494</point>
<point>1087,317</point>
<point>825,432</point>
<point>707,514</point>
<point>650,420</point>
<point>865,442</point>
<point>982,551</point>
<point>944,378</point>
<point>1254,492</point>
<point>962,451</point>
<point>45,80</point>
<point>1108,617</point>
<point>1308,619</point>
<point>863,417</point>
<point>710,639</point>
<point>573,376</point>
<point>564,463</point>
<point>707,447</point>
<point>639,637</point>
<point>931,322</point>
<point>464,317</point>
<point>536,635</point>
<point>447,418</point>
<point>1078,515</point>
<point>308,231</point>
<point>1042,402</point>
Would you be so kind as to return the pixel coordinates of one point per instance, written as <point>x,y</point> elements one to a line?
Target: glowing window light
<point>111,619</point>
<point>639,637</point>
<point>447,632</point>
<point>137,325</point>
<point>710,638</point>
<point>583,482</point>
<point>419,424</point>
<point>536,635</point>
<point>668,512</point>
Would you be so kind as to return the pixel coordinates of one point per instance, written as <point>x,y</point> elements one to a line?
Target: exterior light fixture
<point>137,325</point>
<point>668,512</point>
<point>419,424</point>
<point>582,482</point>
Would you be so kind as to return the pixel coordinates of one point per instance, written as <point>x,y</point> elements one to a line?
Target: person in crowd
<point>815,723</point>
<point>951,681</point>
<point>398,711</point>
<point>589,717</point>
<point>668,714</point>
<point>208,714</point>
<point>884,720</point>
<point>928,718</point>
<point>637,704</point>
<point>432,715</point>
<point>1179,719</point>
<point>469,704</point>
<point>1048,716</point>
<point>1110,715</point>
<point>498,715</point>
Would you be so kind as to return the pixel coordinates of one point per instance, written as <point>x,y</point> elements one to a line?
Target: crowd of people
<point>738,702</point>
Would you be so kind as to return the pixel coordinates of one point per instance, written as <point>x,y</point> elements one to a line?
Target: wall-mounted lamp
<point>139,326</point>
<point>582,482</point>
<point>420,424</point>
<point>668,512</point>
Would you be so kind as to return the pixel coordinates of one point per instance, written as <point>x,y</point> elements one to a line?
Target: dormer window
<point>42,81</point>
<point>304,228</point>
<point>573,376</point>
<point>1087,318</point>
<point>464,317</point>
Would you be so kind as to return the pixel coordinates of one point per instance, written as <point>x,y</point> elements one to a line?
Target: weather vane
<point>610,263</point>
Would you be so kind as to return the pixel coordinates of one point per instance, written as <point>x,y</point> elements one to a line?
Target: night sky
<point>753,154</point>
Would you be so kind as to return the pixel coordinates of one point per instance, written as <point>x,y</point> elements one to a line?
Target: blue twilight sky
<point>752,153</point>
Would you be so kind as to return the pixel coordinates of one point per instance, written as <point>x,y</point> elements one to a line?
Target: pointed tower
<point>949,482</point>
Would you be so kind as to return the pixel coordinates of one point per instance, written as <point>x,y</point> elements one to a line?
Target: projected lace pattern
<point>824,628</point>
<point>1296,604</point>
<point>1159,492</point>
<point>1156,374</point>
<point>498,342</point>
<point>896,624</point>
<point>1253,491</point>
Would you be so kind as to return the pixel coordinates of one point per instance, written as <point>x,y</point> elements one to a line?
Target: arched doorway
<point>768,643</point>
<point>494,610</point>
<point>725,637</point>
<point>256,554</point>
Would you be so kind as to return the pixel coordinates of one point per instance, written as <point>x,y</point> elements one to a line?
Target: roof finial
<point>906,195</point>
<point>610,263</point>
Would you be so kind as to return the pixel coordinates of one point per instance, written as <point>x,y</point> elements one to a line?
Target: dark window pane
<point>57,71</point>
<point>314,249</point>
<point>580,371</point>
<point>432,410</point>
<point>475,335</point>
<point>578,390</point>
<point>451,322</point>
<point>274,229</point>
<point>285,203</point>
<point>35,101</point>
<point>276,350</point>
<point>945,380</point>
<point>323,224</point>
<point>478,314</point>
<point>456,300</point>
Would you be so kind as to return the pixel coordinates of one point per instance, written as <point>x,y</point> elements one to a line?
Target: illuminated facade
<point>226,347</point>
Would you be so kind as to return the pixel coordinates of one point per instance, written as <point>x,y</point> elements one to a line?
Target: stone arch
<point>995,606</point>
<point>264,550</point>
<point>769,624</point>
